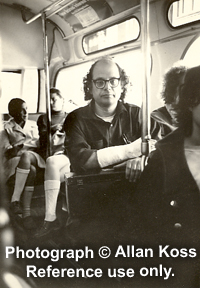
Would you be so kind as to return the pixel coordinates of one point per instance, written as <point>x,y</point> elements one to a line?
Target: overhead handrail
<point>145,49</point>
<point>44,11</point>
<point>61,8</point>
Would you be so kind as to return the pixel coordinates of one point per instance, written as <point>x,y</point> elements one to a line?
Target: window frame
<point>114,46</point>
<point>22,85</point>
<point>179,26</point>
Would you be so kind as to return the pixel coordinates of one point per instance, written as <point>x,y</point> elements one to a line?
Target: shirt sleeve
<point>4,141</point>
<point>77,147</point>
<point>155,129</point>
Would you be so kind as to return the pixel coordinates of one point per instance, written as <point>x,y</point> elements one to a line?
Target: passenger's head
<point>189,102</point>
<point>56,100</point>
<point>170,92</point>
<point>95,86</point>
<point>17,108</point>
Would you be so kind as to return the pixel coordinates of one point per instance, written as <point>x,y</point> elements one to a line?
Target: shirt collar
<point>91,114</point>
<point>15,127</point>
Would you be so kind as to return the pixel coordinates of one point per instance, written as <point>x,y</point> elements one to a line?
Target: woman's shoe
<point>15,207</point>
<point>46,228</point>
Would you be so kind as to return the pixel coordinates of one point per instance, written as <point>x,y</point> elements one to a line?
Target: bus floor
<point>75,236</point>
<point>81,241</point>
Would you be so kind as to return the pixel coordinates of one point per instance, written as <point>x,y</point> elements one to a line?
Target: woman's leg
<point>56,166</point>
<point>28,192</point>
<point>22,174</point>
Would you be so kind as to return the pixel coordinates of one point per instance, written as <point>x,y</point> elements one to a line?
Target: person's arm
<point>9,149</point>
<point>80,153</point>
<point>114,155</point>
<point>155,129</point>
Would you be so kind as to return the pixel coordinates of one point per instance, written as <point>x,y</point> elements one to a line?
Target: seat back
<point>89,195</point>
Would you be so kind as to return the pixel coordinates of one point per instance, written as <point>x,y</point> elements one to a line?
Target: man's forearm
<point>117,154</point>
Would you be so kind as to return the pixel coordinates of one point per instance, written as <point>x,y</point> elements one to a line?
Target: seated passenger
<point>20,139</point>
<point>92,130</point>
<point>104,133</point>
<point>168,193</point>
<point>56,165</point>
<point>166,116</point>
<point>29,159</point>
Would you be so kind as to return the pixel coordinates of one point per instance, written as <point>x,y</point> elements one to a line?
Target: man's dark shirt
<point>86,132</point>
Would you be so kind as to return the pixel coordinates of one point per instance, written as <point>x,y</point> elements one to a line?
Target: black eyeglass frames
<point>101,83</point>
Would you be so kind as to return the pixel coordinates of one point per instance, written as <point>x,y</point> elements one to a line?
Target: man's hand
<point>133,169</point>
<point>152,143</point>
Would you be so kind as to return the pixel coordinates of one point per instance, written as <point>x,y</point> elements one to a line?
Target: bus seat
<point>98,207</point>
<point>88,194</point>
<point>31,116</point>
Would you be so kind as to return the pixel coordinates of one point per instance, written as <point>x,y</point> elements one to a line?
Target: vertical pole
<point>6,232</point>
<point>145,48</point>
<point>46,70</point>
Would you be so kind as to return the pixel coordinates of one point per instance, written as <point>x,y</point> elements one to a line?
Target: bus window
<point>183,12</point>
<point>20,84</point>
<point>123,32</point>
<point>191,55</point>
<point>70,82</point>
<point>10,88</point>
<point>131,61</point>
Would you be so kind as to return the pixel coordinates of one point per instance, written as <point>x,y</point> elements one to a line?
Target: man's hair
<point>87,80</point>
<point>189,98</point>
<point>14,106</point>
<point>171,81</point>
<point>56,91</point>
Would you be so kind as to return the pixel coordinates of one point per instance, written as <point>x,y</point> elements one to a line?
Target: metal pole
<point>145,48</point>
<point>6,232</point>
<point>46,70</point>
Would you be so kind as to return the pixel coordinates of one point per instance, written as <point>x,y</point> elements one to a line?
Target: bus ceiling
<point>71,16</point>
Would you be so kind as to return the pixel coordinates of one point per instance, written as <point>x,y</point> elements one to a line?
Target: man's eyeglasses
<point>101,83</point>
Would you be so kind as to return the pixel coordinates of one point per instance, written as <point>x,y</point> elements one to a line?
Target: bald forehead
<point>105,67</point>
